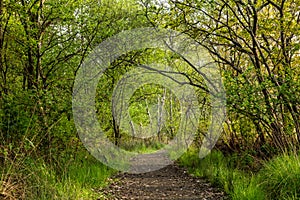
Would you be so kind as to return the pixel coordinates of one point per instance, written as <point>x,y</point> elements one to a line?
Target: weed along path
<point>170,182</point>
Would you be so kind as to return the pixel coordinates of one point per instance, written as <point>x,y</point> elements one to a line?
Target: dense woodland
<point>43,44</point>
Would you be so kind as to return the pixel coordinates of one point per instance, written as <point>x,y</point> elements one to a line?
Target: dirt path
<point>171,182</point>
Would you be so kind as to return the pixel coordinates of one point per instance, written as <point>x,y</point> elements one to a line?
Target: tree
<point>256,46</point>
<point>42,46</point>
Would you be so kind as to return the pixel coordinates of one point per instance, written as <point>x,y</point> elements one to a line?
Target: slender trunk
<point>117,135</point>
<point>3,78</point>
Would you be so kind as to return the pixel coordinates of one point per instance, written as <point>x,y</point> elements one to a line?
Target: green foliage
<point>153,109</point>
<point>68,178</point>
<point>221,171</point>
<point>143,146</point>
<point>17,114</point>
<point>280,177</point>
<point>42,45</point>
<point>78,180</point>
<point>248,188</point>
<point>260,72</point>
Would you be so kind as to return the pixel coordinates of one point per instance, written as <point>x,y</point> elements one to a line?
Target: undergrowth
<point>75,178</point>
<point>278,178</point>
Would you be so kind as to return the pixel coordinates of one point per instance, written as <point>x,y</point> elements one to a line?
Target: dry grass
<point>11,189</point>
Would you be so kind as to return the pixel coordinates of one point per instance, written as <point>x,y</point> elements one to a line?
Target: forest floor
<point>171,182</point>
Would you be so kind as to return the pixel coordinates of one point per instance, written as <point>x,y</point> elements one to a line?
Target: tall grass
<point>279,178</point>
<point>11,183</point>
<point>220,170</point>
<point>26,172</point>
<point>74,178</point>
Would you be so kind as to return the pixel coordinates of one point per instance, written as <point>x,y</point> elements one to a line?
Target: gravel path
<point>171,182</point>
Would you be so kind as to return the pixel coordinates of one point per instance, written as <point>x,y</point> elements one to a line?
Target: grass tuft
<point>73,178</point>
<point>220,170</point>
<point>280,177</point>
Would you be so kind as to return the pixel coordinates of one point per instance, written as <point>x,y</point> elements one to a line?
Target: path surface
<point>171,182</point>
